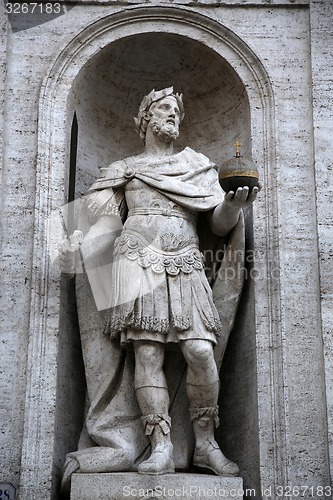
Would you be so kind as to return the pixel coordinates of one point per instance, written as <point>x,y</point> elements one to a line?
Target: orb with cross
<point>238,171</point>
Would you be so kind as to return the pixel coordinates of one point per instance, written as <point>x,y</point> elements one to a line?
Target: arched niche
<point>108,90</point>
<point>105,97</point>
<point>101,76</point>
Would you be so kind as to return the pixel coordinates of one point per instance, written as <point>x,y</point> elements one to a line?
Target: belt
<point>167,212</point>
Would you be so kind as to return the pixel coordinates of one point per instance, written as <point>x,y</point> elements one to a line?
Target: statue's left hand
<point>243,197</point>
<point>68,252</point>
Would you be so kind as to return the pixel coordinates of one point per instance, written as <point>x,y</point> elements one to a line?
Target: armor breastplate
<point>158,219</point>
<point>141,198</point>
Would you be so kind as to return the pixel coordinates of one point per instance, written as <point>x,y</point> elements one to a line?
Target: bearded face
<point>166,130</point>
<point>165,119</point>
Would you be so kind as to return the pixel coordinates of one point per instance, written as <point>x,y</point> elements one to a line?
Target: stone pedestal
<point>122,485</point>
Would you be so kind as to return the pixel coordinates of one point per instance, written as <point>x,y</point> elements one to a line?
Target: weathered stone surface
<point>321,40</point>
<point>130,485</point>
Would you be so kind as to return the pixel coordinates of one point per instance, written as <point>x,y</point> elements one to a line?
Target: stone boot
<point>157,428</point>
<point>207,453</point>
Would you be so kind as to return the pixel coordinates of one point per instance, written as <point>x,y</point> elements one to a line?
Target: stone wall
<point>321,39</point>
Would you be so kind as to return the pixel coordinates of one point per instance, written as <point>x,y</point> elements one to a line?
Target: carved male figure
<point>160,291</point>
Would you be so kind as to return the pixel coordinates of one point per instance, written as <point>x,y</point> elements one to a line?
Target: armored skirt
<point>159,295</point>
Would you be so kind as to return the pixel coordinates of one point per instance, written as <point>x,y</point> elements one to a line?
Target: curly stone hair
<point>142,120</point>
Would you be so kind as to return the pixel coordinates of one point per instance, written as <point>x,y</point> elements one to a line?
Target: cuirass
<point>158,218</point>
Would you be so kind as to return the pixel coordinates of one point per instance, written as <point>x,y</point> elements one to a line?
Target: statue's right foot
<point>159,462</point>
<point>211,457</point>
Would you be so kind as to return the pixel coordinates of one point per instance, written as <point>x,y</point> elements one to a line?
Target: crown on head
<point>148,100</point>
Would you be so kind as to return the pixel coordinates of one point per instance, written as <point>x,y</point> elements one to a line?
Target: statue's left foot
<point>211,457</point>
<point>160,462</point>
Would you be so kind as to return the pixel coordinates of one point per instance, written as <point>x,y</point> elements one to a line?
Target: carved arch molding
<point>42,455</point>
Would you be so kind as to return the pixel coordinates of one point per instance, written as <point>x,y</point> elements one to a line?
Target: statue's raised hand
<point>69,253</point>
<point>243,197</point>
<point>226,214</point>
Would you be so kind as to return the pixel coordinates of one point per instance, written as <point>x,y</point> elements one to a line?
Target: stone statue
<point>145,211</point>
